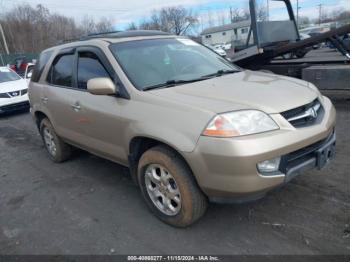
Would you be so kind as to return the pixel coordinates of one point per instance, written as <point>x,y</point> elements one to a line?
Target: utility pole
<point>298,13</point>
<point>4,40</point>
<point>2,60</point>
<point>268,10</point>
<point>320,14</point>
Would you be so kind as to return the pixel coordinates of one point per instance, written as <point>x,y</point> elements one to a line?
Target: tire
<point>301,53</point>
<point>62,150</point>
<point>193,203</point>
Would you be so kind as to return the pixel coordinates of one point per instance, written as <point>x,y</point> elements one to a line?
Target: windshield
<point>7,75</point>
<point>154,62</point>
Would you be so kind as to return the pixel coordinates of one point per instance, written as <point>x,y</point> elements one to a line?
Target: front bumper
<point>14,104</point>
<point>314,156</point>
<point>226,169</point>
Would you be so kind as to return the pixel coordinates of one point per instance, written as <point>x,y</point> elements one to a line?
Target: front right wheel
<point>169,187</point>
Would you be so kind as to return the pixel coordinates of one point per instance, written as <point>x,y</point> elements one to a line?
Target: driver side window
<point>89,66</point>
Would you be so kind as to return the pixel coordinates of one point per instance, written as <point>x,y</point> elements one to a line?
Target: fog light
<point>269,165</point>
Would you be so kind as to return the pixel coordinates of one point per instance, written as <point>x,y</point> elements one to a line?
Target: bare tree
<point>132,26</point>
<point>176,20</point>
<point>238,15</point>
<point>339,15</point>
<point>154,22</point>
<point>304,21</point>
<point>235,14</point>
<point>88,25</point>
<point>261,13</point>
<point>211,22</point>
<point>104,25</point>
<point>344,15</point>
<point>221,17</point>
<point>32,29</point>
<point>246,14</point>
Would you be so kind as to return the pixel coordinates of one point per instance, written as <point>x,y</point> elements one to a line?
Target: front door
<point>100,120</point>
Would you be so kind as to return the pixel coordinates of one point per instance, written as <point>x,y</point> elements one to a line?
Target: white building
<point>236,33</point>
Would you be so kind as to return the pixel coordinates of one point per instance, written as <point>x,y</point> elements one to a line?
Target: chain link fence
<point>10,59</point>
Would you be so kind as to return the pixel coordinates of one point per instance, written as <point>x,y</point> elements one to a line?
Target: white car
<point>227,46</point>
<point>218,49</point>
<point>28,73</point>
<point>13,91</point>
<point>304,36</point>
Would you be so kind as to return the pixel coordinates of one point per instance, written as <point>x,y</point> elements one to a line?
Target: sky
<point>125,11</point>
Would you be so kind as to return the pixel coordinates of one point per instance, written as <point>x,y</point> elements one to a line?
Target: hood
<point>11,86</point>
<point>245,90</point>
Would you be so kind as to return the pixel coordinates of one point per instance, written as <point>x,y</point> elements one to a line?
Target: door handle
<point>44,99</point>
<point>76,107</point>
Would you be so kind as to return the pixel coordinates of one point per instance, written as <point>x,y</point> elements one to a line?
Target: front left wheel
<point>169,187</point>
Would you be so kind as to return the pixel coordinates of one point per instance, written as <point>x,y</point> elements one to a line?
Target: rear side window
<point>89,66</point>
<point>61,71</point>
<point>40,65</point>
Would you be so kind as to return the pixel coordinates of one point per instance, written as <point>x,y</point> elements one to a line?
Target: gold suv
<point>190,125</point>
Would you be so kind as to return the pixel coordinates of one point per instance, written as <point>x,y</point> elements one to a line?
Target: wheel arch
<point>139,145</point>
<point>39,116</point>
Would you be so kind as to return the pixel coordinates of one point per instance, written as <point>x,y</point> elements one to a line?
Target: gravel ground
<point>89,205</point>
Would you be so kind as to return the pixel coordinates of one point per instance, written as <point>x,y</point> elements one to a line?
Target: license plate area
<point>325,154</point>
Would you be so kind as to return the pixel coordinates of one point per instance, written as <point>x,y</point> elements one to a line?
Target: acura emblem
<point>312,112</point>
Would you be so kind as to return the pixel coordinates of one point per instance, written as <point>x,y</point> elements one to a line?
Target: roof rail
<point>103,33</point>
<point>122,34</point>
<point>115,34</point>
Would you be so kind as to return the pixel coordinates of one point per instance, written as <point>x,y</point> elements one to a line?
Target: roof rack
<point>122,34</point>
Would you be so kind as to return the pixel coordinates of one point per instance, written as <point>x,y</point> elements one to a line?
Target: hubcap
<point>49,141</point>
<point>163,190</point>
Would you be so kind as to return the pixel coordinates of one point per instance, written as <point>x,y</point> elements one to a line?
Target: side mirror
<point>29,75</point>
<point>101,86</point>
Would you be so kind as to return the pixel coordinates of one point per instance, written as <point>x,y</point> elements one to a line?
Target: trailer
<point>276,46</point>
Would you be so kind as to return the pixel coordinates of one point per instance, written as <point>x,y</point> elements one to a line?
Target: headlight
<point>240,123</point>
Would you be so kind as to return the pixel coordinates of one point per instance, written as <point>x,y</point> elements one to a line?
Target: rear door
<point>62,97</point>
<point>36,88</point>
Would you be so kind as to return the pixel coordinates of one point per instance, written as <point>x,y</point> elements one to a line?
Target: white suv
<point>13,91</point>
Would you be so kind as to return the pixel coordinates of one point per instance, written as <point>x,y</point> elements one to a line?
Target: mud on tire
<point>58,150</point>
<point>193,201</point>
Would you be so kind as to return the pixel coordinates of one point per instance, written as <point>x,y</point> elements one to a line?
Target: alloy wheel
<point>162,189</point>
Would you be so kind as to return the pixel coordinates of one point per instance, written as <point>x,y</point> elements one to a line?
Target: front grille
<point>5,95</point>
<point>14,94</point>
<point>24,91</point>
<point>305,115</point>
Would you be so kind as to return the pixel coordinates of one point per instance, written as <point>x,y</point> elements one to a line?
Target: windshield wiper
<point>171,83</point>
<point>221,73</point>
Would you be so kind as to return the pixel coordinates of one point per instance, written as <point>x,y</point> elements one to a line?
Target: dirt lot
<point>90,206</point>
